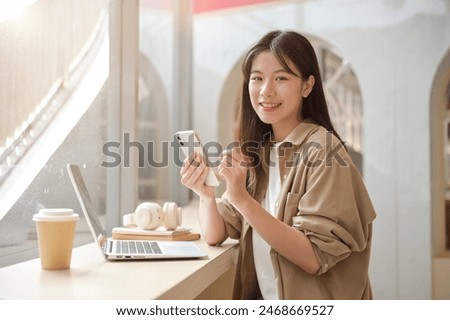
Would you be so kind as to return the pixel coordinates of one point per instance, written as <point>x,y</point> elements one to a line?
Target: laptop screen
<point>85,201</point>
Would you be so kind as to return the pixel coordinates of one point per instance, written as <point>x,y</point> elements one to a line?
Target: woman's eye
<point>281,78</point>
<point>255,79</point>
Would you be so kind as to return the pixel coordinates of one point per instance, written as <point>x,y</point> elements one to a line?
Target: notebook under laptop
<point>127,249</point>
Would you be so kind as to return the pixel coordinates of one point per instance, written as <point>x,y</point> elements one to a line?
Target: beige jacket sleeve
<point>231,217</point>
<point>335,211</point>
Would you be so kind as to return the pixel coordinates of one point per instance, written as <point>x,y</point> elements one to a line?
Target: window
<point>58,98</point>
<point>155,89</point>
<point>38,76</point>
<point>165,89</point>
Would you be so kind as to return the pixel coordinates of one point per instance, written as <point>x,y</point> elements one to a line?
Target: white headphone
<point>149,216</point>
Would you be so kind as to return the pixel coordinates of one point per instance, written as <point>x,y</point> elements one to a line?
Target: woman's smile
<point>269,106</point>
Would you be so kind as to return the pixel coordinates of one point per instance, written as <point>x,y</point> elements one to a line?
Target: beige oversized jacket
<point>322,195</point>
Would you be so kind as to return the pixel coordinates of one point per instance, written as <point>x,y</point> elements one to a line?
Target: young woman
<point>293,197</point>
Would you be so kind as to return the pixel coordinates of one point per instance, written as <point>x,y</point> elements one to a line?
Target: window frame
<point>122,183</point>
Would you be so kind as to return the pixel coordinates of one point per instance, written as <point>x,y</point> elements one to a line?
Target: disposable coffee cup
<point>55,231</point>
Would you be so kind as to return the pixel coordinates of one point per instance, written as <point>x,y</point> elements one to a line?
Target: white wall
<point>394,47</point>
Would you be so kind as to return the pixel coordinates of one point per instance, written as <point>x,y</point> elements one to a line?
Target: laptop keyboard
<point>137,247</point>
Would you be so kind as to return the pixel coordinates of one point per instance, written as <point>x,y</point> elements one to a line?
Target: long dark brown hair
<point>286,46</point>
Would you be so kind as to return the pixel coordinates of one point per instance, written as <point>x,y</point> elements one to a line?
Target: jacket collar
<point>299,134</point>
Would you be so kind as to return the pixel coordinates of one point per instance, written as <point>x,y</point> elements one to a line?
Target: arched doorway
<point>341,89</point>
<point>440,177</point>
<point>440,156</point>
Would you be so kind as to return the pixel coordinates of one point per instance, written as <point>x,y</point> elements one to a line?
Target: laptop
<point>113,249</point>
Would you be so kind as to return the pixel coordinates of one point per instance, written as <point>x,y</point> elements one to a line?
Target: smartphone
<point>190,142</point>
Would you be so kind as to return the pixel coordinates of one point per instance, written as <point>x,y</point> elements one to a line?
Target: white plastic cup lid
<point>56,214</point>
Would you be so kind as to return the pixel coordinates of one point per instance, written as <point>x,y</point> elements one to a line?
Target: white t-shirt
<point>261,250</point>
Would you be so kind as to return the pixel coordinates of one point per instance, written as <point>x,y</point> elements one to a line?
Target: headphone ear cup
<point>172,215</point>
<point>148,215</point>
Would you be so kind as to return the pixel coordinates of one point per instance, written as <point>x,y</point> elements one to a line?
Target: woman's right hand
<point>193,175</point>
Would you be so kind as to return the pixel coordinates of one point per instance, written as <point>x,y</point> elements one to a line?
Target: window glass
<point>54,91</point>
<point>156,43</point>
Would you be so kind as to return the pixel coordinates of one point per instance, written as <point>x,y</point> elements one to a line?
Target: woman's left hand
<point>233,169</point>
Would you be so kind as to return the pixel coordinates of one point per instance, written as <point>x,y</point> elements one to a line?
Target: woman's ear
<point>308,86</point>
